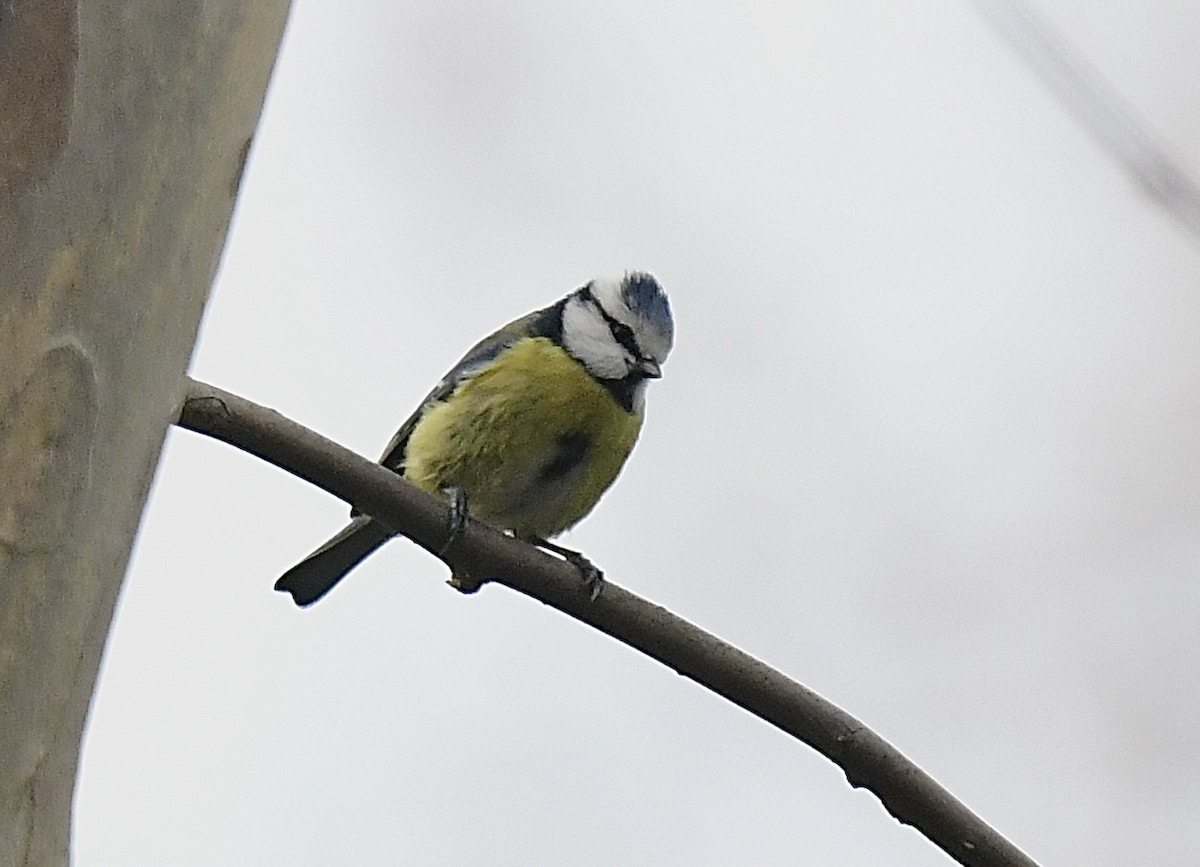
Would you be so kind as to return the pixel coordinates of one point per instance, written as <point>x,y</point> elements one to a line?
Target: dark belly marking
<point>572,448</point>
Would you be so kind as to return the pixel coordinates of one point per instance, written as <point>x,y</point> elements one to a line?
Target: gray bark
<point>124,127</point>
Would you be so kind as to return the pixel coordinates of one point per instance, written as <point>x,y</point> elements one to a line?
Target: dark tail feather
<point>316,574</point>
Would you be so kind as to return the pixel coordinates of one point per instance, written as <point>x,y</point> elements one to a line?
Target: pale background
<point>929,442</point>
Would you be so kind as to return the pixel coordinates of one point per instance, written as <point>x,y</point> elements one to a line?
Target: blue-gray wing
<point>539,323</point>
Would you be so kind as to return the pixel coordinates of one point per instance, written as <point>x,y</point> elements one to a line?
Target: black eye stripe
<point>621,332</point>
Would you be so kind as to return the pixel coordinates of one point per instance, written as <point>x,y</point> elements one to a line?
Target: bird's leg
<point>592,577</point>
<point>458,522</point>
<point>458,513</point>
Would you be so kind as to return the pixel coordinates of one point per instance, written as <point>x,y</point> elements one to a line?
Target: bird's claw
<point>592,577</point>
<point>458,511</point>
<point>457,518</point>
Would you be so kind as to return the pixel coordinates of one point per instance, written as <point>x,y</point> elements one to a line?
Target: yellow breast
<point>532,439</point>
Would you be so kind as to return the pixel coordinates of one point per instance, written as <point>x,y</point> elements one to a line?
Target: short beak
<point>650,368</point>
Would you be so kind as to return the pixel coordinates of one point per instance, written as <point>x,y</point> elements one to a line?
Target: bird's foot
<point>457,518</point>
<point>593,578</point>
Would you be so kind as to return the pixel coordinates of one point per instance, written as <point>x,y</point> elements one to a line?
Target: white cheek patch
<point>588,338</point>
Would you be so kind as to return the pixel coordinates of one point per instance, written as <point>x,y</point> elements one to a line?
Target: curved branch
<point>870,762</point>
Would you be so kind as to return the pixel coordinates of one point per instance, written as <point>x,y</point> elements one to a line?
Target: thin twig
<point>1112,121</point>
<point>870,762</point>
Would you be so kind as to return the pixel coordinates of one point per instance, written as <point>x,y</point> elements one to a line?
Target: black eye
<point>624,336</point>
<point>621,332</point>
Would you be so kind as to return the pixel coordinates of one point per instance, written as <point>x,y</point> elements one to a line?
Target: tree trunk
<point>124,127</point>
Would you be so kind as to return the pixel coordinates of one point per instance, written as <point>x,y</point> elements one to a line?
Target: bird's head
<point>619,328</point>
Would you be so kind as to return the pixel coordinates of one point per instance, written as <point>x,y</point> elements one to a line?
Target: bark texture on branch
<point>124,127</point>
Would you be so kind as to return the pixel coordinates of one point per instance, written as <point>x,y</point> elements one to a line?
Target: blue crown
<point>647,299</point>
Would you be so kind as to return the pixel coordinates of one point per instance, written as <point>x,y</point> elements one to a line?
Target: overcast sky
<point>929,442</point>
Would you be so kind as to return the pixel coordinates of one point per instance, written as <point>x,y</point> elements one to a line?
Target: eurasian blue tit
<point>529,429</point>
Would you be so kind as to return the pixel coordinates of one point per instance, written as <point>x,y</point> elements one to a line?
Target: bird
<point>528,430</point>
